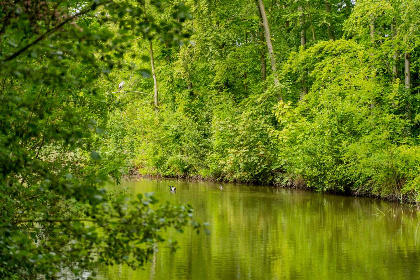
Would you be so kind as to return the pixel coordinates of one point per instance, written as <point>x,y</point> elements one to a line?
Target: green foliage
<point>355,131</point>
<point>55,216</point>
<point>242,147</point>
<point>348,133</point>
<point>118,231</point>
<point>66,127</point>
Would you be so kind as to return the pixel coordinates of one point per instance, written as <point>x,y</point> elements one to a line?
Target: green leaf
<point>145,73</point>
<point>100,130</point>
<point>95,156</point>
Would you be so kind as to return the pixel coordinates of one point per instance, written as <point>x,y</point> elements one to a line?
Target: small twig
<point>40,147</point>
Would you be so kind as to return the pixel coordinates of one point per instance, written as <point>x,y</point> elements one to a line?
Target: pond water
<point>271,233</point>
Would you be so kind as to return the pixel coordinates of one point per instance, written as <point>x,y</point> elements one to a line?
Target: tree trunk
<point>372,30</point>
<point>303,44</point>
<point>245,85</point>
<point>186,65</point>
<point>155,85</point>
<point>407,70</point>
<point>395,56</point>
<point>394,65</point>
<point>263,17</point>
<point>286,23</point>
<point>312,26</point>
<point>167,57</point>
<point>302,27</point>
<point>263,61</point>
<point>331,35</point>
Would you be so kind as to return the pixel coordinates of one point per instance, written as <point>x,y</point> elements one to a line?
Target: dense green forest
<point>324,95</point>
<point>321,94</point>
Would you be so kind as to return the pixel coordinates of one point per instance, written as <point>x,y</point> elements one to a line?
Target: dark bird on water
<point>172,189</point>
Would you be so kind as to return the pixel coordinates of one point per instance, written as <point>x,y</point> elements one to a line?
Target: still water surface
<point>270,233</point>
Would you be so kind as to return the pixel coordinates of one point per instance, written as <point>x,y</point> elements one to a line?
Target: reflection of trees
<point>290,234</point>
<point>264,233</point>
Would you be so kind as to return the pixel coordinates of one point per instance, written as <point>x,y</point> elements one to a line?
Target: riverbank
<point>298,183</point>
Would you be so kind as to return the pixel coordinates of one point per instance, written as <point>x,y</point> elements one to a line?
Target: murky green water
<point>268,233</point>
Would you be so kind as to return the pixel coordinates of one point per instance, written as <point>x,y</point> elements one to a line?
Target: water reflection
<point>269,233</point>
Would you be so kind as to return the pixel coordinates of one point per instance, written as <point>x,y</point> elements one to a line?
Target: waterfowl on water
<point>172,189</point>
<point>221,187</point>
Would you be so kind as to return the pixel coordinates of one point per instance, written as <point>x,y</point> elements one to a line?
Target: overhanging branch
<point>52,30</point>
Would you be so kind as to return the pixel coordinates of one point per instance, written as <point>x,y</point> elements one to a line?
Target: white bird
<point>120,86</point>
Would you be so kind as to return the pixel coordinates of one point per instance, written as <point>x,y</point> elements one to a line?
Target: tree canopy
<point>56,216</point>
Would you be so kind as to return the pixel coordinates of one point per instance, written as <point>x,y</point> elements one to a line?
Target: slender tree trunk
<point>303,44</point>
<point>167,57</point>
<point>310,21</point>
<point>263,17</point>
<point>287,23</point>
<point>372,38</point>
<point>190,88</point>
<point>263,61</point>
<point>394,65</point>
<point>302,27</point>
<point>372,30</point>
<point>155,85</point>
<point>331,35</point>
<point>245,85</point>
<point>407,70</point>
<point>395,56</point>
<point>186,65</point>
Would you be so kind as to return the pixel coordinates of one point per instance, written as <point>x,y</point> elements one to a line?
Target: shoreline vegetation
<point>133,174</point>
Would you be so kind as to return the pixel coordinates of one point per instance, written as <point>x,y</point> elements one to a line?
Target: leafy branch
<point>54,29</point>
